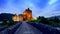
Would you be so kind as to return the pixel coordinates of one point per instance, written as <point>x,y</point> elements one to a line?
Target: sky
<point>45,8</point>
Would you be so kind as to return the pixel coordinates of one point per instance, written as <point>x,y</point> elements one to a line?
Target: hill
<point>7,16</point>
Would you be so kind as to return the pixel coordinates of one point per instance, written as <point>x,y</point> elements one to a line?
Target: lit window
<point>24,13</point>
<point>29,16</point>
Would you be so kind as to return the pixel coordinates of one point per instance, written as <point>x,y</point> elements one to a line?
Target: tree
<point>5,21</point>
<point>44,20</point>
<point>38,18</point>
<point>56,19</point>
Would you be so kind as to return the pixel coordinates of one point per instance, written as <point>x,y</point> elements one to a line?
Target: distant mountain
<point>5,16</point>
<point>54,16</point>
<point>58,16</point>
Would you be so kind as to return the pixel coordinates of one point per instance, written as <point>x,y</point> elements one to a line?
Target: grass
<point>55,24</point>
<point>52,23</point>
<point>7,23</point>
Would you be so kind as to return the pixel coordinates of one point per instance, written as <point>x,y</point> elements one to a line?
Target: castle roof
<point>28,10</point>
<point>20,14</point>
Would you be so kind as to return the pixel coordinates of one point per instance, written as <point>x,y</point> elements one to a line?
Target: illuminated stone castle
<point>27,15</point>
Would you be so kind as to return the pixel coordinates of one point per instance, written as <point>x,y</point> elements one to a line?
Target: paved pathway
<point>27,29</point>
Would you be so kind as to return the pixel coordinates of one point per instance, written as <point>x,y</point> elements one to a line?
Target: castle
<point>27,15</point>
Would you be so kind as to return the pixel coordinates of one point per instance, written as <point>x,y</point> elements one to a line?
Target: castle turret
<point>27,14</point>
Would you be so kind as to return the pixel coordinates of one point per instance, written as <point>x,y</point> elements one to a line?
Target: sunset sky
<point>45,8</point>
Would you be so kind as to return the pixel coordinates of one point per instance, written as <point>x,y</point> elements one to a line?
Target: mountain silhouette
<point>7,16</point>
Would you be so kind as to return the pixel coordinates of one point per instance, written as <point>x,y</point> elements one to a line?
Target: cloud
<point>39,7</point>
<point>52,1</point>
<point>52,10</point>
<point>49,10</point>
<point>41,3</point>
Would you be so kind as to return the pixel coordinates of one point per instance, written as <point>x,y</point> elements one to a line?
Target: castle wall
<point>27,15</point>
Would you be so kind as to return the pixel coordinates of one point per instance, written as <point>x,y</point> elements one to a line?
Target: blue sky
<point>45,8</point>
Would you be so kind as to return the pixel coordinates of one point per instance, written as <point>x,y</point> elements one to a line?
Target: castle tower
<point>21,17</point>
<point>14,18</point>
<point>27,14</point>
